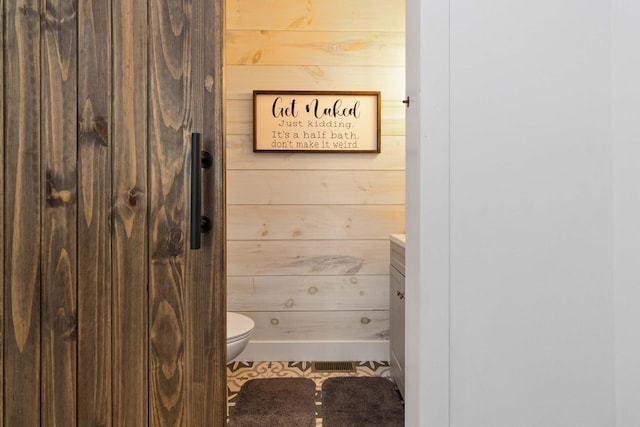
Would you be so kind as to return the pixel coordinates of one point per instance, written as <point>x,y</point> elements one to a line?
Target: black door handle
<point>199,160</point>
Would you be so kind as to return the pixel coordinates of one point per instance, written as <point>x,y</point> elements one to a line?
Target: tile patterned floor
<point>240,372</point>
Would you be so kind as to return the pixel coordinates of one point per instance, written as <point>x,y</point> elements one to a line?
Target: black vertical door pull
<point>199,160</point>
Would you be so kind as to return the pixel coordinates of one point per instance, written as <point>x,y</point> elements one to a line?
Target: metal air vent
<point>333,366</point>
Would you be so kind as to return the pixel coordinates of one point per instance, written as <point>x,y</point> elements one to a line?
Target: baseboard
<point>314,350</point>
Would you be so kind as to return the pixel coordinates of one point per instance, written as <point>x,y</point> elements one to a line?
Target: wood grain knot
<point>175,240</point>
<point>29,11</point>
<point>167,341</point>
<point>102,130</point>
<point>169,245</point>
<point>68,324</point>
<point>95,129</point>
<point>133,197</point>
<point>56,198</point>
<point>208,83</point>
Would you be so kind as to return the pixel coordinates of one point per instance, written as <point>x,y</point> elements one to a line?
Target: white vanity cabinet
<point>396,310</point>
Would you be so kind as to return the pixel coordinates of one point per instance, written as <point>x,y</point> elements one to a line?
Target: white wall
<point>626,161</point>
<point>531,242</point>
<point>530,234</point>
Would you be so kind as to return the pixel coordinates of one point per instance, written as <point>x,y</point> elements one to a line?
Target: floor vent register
<point>333,366</point>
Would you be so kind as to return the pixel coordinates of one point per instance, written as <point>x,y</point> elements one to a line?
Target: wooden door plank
<point>129,241</point>
<point>22,199</point>
<point>59,148</point>
<point>94,214</point>
<point>2,201</point>
<point>169,99</point>
<point>205,304</point>
<point>216,188</point>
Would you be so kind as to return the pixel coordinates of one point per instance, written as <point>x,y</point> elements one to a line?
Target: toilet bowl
<point>239,328</point>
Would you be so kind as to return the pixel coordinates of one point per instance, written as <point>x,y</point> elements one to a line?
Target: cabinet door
<point>396,317</point>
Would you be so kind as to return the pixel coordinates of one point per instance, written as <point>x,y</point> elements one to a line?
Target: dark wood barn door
<point>107,318</point>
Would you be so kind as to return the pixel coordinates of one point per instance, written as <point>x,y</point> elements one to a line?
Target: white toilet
<point>239,328</point>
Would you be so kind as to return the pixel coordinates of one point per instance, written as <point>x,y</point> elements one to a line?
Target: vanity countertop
<point>398,238</point>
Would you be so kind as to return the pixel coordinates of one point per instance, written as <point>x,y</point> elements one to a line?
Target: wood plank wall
<point>308,249</point>
<point>2,212</point>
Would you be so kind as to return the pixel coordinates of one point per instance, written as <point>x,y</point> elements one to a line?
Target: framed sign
<point>316,121</point>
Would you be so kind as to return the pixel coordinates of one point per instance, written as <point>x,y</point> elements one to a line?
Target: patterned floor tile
<point>240,372</point>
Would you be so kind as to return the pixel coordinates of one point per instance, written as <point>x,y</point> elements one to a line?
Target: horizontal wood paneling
<point>308,293</point>
<point>308,257</point>
<point>239,118</point>
<point>315,187</point>
<point>243,80</point>
<point>354,15</point>
<point>318,222</point>
<point>240,155</point>
<point>308,232</point>
<point>320,325</point>
<point>315,48</point>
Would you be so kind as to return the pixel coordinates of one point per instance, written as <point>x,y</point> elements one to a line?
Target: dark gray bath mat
<point>361,402</point>
<point>275,402</point>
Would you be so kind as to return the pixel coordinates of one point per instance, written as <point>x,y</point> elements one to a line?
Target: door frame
<point>427,214</point>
